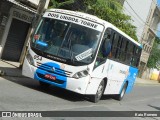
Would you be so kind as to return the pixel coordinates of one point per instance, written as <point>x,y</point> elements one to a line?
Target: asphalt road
<point>24,94</point>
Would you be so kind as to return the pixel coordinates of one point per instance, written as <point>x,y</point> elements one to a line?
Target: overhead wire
<point>139,16</point>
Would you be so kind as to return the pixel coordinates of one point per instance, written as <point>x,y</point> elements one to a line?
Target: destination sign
<point>75,20</point>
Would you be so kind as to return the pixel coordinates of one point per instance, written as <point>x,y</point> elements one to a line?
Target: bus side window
<point>101,57</point>
<point>114,44</point>
<point>118,48</point>
<point>136,56</point>
<point>130,57</point>
<point>106,45</point>
<point>123,53</point>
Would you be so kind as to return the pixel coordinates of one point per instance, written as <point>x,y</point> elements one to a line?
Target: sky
<point>158,2</point>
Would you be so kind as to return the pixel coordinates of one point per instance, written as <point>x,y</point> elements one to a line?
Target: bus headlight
<point>81,74</point>
<point>30,59</point>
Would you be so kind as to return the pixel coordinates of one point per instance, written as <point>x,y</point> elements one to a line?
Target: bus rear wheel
<point>122,93</point>
<point>95,98</point>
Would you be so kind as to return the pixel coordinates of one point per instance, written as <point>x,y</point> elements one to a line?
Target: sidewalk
<point>8,68</point>
<point>146,81</point>
<point>12,69</point>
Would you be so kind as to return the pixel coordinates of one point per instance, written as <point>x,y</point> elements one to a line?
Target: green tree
<point>154,57</point>
<point>60,3</point>
<point>109,10</point>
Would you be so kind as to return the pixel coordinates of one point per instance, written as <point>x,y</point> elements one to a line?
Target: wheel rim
<point>123,91</point>
<point>100,91</point>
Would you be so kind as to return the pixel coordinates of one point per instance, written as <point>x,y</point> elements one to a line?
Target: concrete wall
<point>4,14</point>
<point>36,2</point>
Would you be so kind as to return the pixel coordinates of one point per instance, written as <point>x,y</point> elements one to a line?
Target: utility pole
<point>42,5</point>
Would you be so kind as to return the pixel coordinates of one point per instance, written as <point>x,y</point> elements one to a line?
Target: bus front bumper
<point>69,83</point>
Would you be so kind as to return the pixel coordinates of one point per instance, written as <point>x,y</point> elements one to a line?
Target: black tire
<point>95,98</point>
<point>122,93</point>
<point>43,84</point>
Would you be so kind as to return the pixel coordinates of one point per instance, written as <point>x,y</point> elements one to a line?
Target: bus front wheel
<point>95,98</point>
<point>121,95</point>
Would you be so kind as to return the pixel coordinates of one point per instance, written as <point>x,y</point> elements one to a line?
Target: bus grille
<point>57,71</point>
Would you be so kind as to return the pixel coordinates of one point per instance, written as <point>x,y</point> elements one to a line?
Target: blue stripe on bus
<point>131,79</point>
<point>47,68</point>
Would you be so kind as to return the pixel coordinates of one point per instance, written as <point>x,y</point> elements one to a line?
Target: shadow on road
<point>107,97</point>
<point>158,108</point>
<point>52,90</point>
<point>11,72</point>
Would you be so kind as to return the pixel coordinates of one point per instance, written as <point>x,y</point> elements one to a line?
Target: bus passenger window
<point>118,48</point>
<point>122,50</point>
<point>106,45</point>
<point>114,45</point>
<point>105,48</point>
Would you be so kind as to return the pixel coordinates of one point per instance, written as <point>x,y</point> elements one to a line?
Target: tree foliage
<point>60,3</point>
<point>154,58</point>
<point>109,10</point>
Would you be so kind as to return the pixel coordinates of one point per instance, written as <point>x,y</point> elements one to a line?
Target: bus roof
<point>94,19</point>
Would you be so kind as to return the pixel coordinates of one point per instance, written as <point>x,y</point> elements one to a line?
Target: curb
<point>147,83</point>
<point>19,76</point>
<point>5,74</point>
<point>2,73</point>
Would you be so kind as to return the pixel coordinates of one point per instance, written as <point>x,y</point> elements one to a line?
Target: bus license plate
<point>48,76</point>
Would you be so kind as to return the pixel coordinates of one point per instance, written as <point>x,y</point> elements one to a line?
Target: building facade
<point>146,20</point>
<point>148,36</point>
<point>16,18</point>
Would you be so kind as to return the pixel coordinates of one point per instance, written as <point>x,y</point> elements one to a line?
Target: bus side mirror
<point>106,48</point>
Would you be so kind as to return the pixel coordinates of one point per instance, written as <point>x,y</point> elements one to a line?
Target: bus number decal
<point>37,57</point>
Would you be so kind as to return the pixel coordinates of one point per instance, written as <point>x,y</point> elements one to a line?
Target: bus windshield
<point>66,41</point>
